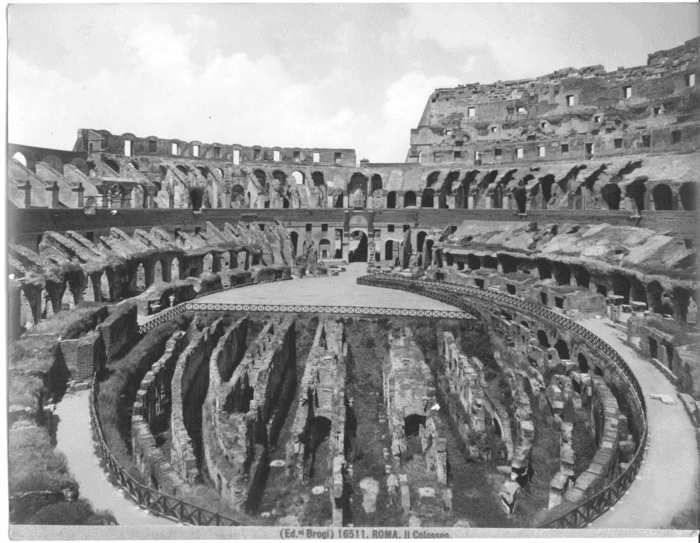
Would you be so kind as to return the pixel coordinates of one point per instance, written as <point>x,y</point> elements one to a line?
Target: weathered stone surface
<point>370,489</point>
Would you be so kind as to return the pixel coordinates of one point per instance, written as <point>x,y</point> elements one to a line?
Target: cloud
<point>403,105</point>
<point>341,44</point>
<point>160,91</point>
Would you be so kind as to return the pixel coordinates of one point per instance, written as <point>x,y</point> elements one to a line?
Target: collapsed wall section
<point>245,407</point>
<point>321,415</point>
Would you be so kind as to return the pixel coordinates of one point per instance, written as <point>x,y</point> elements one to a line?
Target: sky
<point>297,75</point>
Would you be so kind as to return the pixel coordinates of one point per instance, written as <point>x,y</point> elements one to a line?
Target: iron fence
<point>156,502</point>
<point>587,511</point>
<point>295,308</point>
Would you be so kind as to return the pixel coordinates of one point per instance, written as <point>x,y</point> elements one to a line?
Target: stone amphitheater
<point>498,332</point>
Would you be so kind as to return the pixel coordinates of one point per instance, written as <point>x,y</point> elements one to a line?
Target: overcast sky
<point>324,75</point>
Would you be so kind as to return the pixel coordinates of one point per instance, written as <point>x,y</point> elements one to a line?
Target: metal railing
<point>587,511</point>
<point>156,502</point>
<point>296,308</point>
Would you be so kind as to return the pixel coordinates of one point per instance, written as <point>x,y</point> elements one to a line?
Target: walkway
<point>667,484</point>
<point>74,440</point>
<point>340,290</point>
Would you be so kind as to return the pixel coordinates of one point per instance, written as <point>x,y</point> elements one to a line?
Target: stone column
<point>27,188</point>
<point>53,199</point>
<point>80,192</point>
<point>171,200</point>
<point>14,312</point>
<point>227,198</point>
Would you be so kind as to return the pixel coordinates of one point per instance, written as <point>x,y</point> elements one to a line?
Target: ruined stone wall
<point>409,391</point>
<point>322,394</point>
<point>150,414</point>
<point>612,111</point>
<point>118,329</point>
<point>244,408</point>
<point>189,387</point>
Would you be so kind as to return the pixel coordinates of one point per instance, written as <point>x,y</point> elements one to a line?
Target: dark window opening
<point>197,230</point>
<point>406,227</point>
<point>256,154</point>
<point>564,147</point>
<point>338,157</point>
<point>217,152</point>
<point>152,146</point>
<point>479,283</point>
<point>511,289</point>
<point>646,141</point>
<point>618,143</point>
<point>90,236</point>
<point>602,289</point>
<point>390,228</point>
<point>498,152</point>
<point>688,243</point>
<point>296,156</point>
<point>324,228</point>
<point>543,297</point>
<point>308,227</point>
<point>458,155</point>
<point>676,137</point>
<point>559,302</point>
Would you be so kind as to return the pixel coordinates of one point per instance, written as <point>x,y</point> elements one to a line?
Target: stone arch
<point>427,198</point>
<point>261,177</point>
<point>562,349</point>
<point>473,262</point>
<point>391,200</point>
<point>376,183</point>
<point>358,181</point>
<point>295,241</point>
<point>208,263</point>
<point>663,197</point>
<point>520,197</point>
<point>158,272</point>
<point>197,198</point>
<point>599,372</point>
<point>583,278</point>
<point>324,248</point>
<point>409,199</point>
<point>636,190</point>
<point>175,269</point>
<point>81,165</point>
<point>112,164</point>
<point>544,268</point>
<point>546,183</point>
<point>140,277</point>
<point>243,260</point>
<point>611,194</point>
<point>543,339</point>
<point>360,253</point>
<point>389,250</point>
<point>183,169</point>
<point>428,252</point>
<point>583,366</point>
<point>53,161</point>
<point>688,196</point>
<point>420,239</point>
<point>562,273</point>
<point>432,179</point>
<point>19,157</point>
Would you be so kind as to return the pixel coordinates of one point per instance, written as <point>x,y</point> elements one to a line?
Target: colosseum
<point>499,332</point>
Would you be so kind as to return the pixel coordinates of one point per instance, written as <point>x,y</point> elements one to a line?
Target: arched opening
<point>298,178</point>
<point>653,348</point>
<point>662,197</point>
<point>324,248</point>
<point>420,239</point>
<point>583,278</point>
<point>497,427</point>
<point>599,372</point>
<point>621,287</point>
<point>546,183</point>
<point>427,198</point>
<point>409,199</point>
<point>208,263</point>
<point>358,239</point>
<point>243,260</point>
<point>688,196</point>
<point>175,269</point>
<point>391,200</point>
<point>338,201</point>
<point>112,164</point>
<point>432,179</point>
<point>473,262</point>
<point>357,190</point>
<point>582,363</point>
<point>490,262</point>
<point>19,157</point>
<point>429,252</point>
<point>196,197</point>
<point>182,169</point>
<point>636,190</point>
<point>669,355</point>
<point>562,349</point>
<point>320,449</point>
<point>295,241</point>
<point>520,197</point>
<point>140,277</point>
<point>562,273</point>
<point>545,269</point>
<point>389,250</point>
<point>285,203</point>
<point>542,337</point>
<point>158,272</point>
<point>412,426</point>
<point>261,177</point>
<point>612,194</point>
<point>376,182</point>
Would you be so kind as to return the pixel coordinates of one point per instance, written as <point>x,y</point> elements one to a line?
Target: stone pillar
<point>14,312</point>
<point>80,192</point>
<point>470,202</point>
<point>126,200</point>
<point>105,200</point>
<point>227,198</point>
<point>148,202</point>
<point>346,236</point>
<point>171,200</point>
<point>53,199</point>
<point>217,261</point>
<point>27,188</point>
